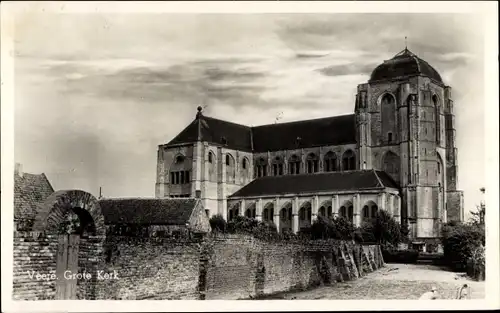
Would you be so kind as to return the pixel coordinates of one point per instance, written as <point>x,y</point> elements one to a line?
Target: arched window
<point>261,168</point>
<point>212,167</point>
<point>277,166</point>
<point>374,210</point>
<point>437,119</point>
<point>343,212</point>
<point>350,214</point>
<point>312,163</point>
<point>244,170</point>
<point>348,161</point>
<point>330,162</point>
<point>322,211</point>
<point>230,169</point>
<point>366,212</point>
<point>294,165</point>
<point>389,137</point>
<point>388,115</point>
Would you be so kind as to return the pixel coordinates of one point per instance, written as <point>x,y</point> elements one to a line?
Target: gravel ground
<point>395,281</point>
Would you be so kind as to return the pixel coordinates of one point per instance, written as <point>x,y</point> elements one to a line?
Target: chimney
<point>18,169</point>
<point>197,194</point>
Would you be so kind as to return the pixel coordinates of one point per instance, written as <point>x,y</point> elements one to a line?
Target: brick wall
<point>151,268</point>
<point>242,267</point>
<point>228,267</point>
<point>34,252</point>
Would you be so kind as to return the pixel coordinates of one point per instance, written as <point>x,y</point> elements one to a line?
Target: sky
<point>95,94</point>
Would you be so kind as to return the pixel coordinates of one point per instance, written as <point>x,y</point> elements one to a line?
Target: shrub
<point>459,242</point>
<point>385,229</point>
<point>338,228</point>
<point>476,264</point>
<point>265,231</point>
<point>242,224</point>
<point>342,229</point>
<point>218,223</point>
<point>400,256</point>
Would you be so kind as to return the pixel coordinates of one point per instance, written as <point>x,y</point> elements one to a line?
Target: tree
<point>385,229</point>
<point>460,241</point>
<point>218,223</point>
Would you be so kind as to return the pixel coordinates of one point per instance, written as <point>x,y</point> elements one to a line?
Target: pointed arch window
<point>312,163</point>
<point>261,168</point>
<point>437,119</point>
<point>277,166</point>
<point>330,162</point>
<point>294,165</point>
<point>348,161</point>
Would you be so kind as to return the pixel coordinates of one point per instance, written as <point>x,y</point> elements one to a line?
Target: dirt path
<point>395,281</point>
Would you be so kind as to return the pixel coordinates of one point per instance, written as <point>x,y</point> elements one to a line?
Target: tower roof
<point>404,64</point>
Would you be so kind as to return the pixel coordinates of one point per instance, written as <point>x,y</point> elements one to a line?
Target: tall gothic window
<point>388,116</point>
<point>348,161</point>
<point>330,162</point>
<point>294,165</point>
<point>261,168</point>
<point>277,166</point>
<point>437,119</point>
<point>312,163</point>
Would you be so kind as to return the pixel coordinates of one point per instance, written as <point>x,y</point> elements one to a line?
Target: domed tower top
<point>403,65</point>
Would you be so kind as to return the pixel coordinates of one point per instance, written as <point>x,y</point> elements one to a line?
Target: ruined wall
<point>229,267</point>
<point>242,267</point>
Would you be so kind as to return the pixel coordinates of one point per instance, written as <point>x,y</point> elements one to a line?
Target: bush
<point>242,224</point>
<point>459,243</point>
<point>338,228</point>
<point>476,264</point>
<point>385,229</point>
<point>400,256</point>
<point>218,223</point>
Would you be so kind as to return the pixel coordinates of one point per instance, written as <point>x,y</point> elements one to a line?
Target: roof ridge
<point>306,120</point>
<point>225,121</point>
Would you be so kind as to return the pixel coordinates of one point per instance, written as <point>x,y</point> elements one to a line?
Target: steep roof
<point>318,182</point>
<point>404,64</point>
<point>335,130</point>
<point>30,190</point>
<point>147,211</point>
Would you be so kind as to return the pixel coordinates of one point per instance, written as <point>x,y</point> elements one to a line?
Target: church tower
<point>405,127</point>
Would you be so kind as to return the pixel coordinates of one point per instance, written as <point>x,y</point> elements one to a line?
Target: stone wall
<point>228,267</point>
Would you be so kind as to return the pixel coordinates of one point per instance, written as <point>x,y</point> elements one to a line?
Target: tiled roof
<point>404,64</point>
<point>30,190</point>
<point>318,182</point>
<point>336,130</point>
<point>147,211</point>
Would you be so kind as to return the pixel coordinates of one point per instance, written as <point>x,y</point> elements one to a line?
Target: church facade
<point>396,152</point>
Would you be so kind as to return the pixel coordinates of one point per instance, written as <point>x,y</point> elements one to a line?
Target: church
<point>395,153</point>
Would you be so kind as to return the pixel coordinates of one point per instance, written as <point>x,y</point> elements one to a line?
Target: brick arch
<point>52,212</point>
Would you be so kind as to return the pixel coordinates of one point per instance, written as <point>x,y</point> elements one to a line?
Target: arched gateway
<point>53,217</point>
